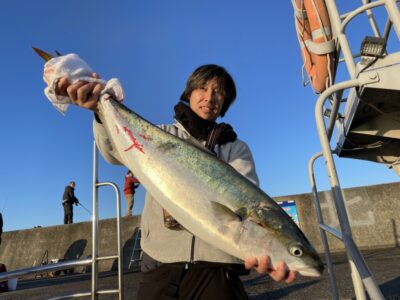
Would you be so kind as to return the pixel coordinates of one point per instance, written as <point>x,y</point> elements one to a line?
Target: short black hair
<point>205,73</point>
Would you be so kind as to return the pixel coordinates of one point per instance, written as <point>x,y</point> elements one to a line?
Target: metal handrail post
<point>365,8</point>
<point>119,235</point>
<point>351,249</point>
<point>40,269</point>
<point>332,277</point>
<point>394,15</point>
<point>334,17</point>
<point>371,19</point>
<point>326,149</point>
<point>334,112</point>
<point>95,225</point>
<point>95,231</point>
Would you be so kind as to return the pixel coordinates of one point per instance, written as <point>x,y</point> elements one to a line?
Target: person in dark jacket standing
<point>68,200</point>
<point>130,185</point>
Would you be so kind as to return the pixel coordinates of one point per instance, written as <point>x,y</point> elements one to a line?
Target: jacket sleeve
<point>104,144</point>
<point>71,196</point>
<point>74,199</point>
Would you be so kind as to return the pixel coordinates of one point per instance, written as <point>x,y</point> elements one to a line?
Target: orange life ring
<point>315,38</point>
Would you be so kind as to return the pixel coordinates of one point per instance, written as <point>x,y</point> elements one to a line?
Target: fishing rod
<point>85,208</point>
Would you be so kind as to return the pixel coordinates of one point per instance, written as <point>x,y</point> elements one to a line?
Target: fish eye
<point>296,251</point>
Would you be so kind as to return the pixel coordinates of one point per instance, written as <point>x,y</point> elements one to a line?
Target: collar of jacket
<point>209,131</point>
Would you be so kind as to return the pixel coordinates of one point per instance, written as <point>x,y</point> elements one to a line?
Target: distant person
<point>130,185</point>
<point>69,199</point>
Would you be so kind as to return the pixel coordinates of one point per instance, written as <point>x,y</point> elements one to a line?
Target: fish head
<point>286,242</point>
<point>303,258</point>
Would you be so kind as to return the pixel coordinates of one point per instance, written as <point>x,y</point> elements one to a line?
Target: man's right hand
<point>83,94</point>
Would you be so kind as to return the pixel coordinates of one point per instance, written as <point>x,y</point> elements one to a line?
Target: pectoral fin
<point>227,214</point>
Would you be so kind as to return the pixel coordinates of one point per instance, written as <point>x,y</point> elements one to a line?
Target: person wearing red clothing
<point>130,185</point>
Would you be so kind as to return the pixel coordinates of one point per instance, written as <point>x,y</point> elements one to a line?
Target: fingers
<point>282,272</point>
<point>82,93</point>
<point>291,277</point>
<point>85,94</point>
<point>61,87</point>
<point>261,265</point>
<point>278,272</point>
<point>264,265</point>
<point>250,263</point>
<point>72,91</point>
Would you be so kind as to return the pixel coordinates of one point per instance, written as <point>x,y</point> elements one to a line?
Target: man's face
<point>207,101</point>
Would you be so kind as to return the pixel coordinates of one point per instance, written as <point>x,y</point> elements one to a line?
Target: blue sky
<point>152,47</point>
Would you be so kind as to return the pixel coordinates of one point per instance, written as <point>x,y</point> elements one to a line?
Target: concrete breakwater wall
<point>374,213</point>
<point>27,248</point>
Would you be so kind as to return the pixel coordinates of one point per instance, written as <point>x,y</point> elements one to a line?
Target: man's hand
<point>82,93</point>
<point>263,265</point>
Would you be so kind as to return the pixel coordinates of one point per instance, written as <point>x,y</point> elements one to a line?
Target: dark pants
<point>201,281</point>
<point>68,213</point>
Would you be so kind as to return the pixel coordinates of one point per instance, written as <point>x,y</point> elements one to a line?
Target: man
<point>69,199</point>
<point>130,185</point>
<point>176,264</point>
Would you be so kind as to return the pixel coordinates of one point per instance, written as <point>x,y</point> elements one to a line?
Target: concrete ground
<point>384,265</point>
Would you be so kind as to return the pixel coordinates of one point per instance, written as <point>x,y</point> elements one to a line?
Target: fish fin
<point>44,55</point>
<point>242,213</point>
<point>225,212</point>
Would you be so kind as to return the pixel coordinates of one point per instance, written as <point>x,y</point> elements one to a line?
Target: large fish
<point>207,196</point>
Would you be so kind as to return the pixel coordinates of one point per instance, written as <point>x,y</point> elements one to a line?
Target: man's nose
<point>210,95</point>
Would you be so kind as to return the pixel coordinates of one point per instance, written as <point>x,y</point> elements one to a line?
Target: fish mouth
<point>311,271</point>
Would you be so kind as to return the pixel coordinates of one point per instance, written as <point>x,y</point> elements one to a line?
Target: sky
<point>152,47</point>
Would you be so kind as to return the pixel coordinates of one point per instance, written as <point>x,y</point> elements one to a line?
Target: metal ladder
<point>136,256</point>
<point>43,261</point>
<point>361,276</point>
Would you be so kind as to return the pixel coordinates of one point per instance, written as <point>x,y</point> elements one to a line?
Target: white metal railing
<point>361,276</point>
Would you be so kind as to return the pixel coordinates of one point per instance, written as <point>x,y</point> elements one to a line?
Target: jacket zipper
<point>210,145</point>
<point>211,139</point>
<point>191,253</point>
